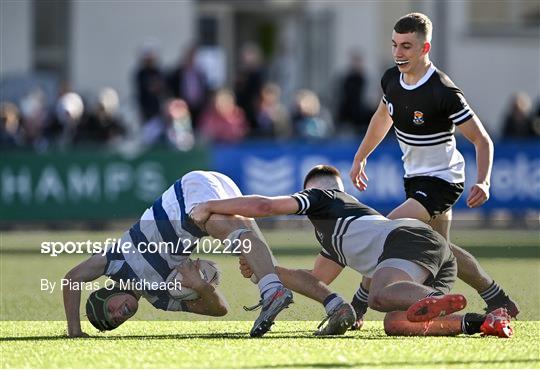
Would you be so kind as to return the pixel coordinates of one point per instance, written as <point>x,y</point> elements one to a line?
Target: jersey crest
<point>418,118</point>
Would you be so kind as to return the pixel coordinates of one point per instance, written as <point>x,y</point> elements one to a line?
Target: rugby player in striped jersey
<point>425,107</point>
<point>410,266</point>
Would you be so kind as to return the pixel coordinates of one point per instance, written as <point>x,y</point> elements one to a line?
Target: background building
<point>490,48</point>
<point>113,74</point>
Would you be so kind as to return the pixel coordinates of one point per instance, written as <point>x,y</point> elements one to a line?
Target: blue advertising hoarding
<point>274,168</point>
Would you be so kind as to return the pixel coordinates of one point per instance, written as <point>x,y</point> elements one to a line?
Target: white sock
<point>268,285</point>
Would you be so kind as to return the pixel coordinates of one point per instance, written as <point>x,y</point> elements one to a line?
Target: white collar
<point>420,82</point>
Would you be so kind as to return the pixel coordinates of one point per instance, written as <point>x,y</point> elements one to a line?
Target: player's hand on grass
<point>357,325</point>
<point>245,270</point>
<point>358,174</point>
<point>191,277</point>
<point>200,214</point>
<point>479,195</point>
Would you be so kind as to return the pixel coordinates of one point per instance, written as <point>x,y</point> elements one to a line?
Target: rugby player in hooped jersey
<point>168,221</point>
<point>410,266</point>
<point>425,107</point>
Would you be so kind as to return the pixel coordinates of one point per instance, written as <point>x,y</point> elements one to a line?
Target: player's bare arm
<point>475,132</point>
<point>249,206</point>
<point>89,270</point>
<point>210,302</point>
<point>380,124</point>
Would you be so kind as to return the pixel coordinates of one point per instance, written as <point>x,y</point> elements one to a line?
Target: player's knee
<point>241,234</point>
<point>391,324</point>
<point>221,226</point>
<point>376,301</point>
<point>379,301</point>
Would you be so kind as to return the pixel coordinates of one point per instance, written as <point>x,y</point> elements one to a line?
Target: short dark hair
<point>96,309</point>
<point>415,23</point>
<point>321,171</point>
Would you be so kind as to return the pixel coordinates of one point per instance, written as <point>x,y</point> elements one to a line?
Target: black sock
<point>494,296</point>
<point>360,301</point>
<point>471,323</point>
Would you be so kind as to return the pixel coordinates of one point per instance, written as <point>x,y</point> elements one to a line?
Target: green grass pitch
<point>225,344</point>
<point>157,339</point>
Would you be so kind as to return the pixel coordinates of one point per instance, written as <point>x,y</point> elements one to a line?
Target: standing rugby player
<point>425,107</point>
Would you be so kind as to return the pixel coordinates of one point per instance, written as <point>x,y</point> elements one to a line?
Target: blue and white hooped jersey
<point>150,249</point>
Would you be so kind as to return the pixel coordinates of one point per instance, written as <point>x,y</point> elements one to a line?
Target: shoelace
<point>253,308</point>
<point>325,320</point>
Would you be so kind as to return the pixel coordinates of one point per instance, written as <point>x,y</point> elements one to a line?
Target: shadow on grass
<point>297,334</point>
<point>413,364</point>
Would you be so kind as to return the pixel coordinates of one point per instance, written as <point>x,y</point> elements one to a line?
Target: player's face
<point>121,307</point>
<point>408,51</point>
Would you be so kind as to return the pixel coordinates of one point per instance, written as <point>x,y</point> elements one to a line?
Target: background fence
<point>89,185</point>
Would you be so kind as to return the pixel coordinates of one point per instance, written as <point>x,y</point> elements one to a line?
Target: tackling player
<point>424,106</point>
<point>410,266</point>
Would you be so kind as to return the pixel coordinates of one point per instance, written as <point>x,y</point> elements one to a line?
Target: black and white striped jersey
<point>425,116</point>
<point>350,233</point>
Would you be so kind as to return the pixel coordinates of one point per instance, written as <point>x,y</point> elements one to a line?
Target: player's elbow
<point>489,142</point>
<point>73,275</point>
<point>221,310</point>
<point>482,140</point>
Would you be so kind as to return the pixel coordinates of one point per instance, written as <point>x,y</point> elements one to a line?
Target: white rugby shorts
<point>201,186</point>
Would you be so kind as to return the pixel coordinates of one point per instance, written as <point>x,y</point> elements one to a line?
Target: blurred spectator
<point>536,119</point>
<point>102,124</point>
<point>34,115</point>
<point>150,84</point>
<point>189,83</point>
<point>9,126</point>
<point>353,111</point>
<point>518,120</point>
<point>64,121</point>
<point>250,81</point>
<point>309,119</point>
<point>223,120</point>
<point>272,119</point>
<point>172,127</point>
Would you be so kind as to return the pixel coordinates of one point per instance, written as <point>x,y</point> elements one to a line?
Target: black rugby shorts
<point>426,248</point>
<point>435,194</point>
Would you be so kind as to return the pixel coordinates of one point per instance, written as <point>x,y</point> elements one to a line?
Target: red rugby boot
<point>497,323</point>
<point>431,307</point>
